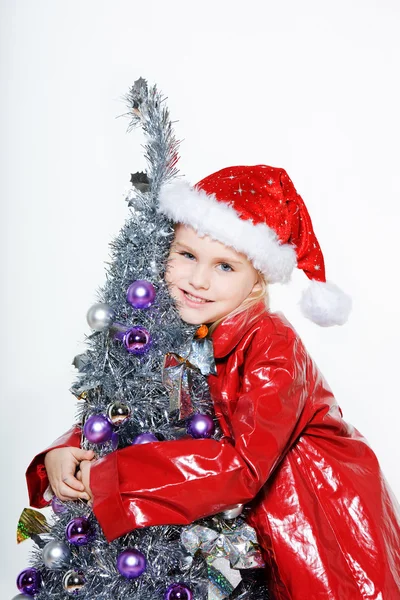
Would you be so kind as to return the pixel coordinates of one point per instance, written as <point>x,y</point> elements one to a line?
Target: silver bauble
<point>100,316</point>
<point>21,597</point>
<point>233,512</point>
<point>56,555</point>
<point>73,582</point>
<point>117,413</point>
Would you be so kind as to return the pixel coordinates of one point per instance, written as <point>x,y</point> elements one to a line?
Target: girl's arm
<point>178,482</point>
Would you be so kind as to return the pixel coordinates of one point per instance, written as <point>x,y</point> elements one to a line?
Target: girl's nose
<point>199,277</point>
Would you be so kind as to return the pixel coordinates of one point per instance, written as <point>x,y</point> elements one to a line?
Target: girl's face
<point>206,278</point>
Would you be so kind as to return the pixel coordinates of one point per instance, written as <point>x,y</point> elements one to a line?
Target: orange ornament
<point>201,332</point>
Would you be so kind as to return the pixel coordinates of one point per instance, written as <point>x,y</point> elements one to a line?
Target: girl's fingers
<point>82,454</point>
<point>85,467</point>
<point>71,481</point>
<point>66,493</point>
<point>61,464</point>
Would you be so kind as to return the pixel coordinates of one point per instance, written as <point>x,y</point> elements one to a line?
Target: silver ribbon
<point>225,552</point>
<point>176,374</point>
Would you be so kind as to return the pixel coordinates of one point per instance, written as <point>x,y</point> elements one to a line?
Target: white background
<point>310,86</point>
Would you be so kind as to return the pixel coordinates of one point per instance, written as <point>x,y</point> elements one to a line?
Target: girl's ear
<point>257,286</point>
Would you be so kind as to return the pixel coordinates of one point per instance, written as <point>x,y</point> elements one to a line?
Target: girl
<point>328,523</point>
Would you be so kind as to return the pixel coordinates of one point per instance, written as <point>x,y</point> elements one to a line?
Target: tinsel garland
<point>109,374</point>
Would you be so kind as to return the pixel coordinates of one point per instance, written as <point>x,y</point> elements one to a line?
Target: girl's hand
<point>84,476</point>
<point>61,465</point>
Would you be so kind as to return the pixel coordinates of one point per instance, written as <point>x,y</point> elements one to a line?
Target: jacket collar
<point>231,330</point>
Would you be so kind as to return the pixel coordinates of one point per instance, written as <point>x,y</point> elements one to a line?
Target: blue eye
<point>226,265</point>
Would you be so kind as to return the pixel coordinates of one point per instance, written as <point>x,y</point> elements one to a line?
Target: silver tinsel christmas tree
<point>142,378</point>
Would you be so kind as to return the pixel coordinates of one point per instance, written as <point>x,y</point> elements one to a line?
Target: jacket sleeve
<point>36,476</point>
<point>178,482</point>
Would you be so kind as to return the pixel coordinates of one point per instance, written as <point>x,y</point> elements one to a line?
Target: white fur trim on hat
<point>194,207</point>
<point>325,304</point>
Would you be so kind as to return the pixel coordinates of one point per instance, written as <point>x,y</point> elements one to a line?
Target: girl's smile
<point>193,300</point>
<point>190,299</point>
<point>207,279</point>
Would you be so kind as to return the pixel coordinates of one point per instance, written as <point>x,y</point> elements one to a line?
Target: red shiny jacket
<point>325,517</point>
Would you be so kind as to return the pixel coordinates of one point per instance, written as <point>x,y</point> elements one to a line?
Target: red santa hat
<point>257,211</point>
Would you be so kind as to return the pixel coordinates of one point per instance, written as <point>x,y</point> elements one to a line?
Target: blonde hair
<point>245,307</point>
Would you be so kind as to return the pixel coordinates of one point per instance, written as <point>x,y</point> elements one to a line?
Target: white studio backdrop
<point>309,86</point>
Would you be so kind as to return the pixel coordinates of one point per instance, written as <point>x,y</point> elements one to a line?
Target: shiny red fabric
<point>325,516</point>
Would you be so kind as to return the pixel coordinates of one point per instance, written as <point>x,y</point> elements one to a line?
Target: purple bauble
<point>178,591</point>
<point>28,581</point>
<point>58,507</point>
<point>137,340</point>
<point>79,532</point>
<point>141,294</point>
<point>144,438</point>
<point>131,563</point>
<point>98,429</point>
<point>200,426</point>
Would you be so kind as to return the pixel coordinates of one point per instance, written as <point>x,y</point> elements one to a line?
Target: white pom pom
<point>325,304</point>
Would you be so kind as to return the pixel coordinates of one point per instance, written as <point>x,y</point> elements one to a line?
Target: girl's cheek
<point>179,270</point>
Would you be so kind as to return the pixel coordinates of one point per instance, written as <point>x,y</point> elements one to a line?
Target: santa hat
<point>257,211</point>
